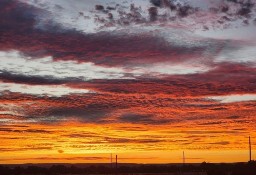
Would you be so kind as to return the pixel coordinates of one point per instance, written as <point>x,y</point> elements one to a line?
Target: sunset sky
<point>144,79</point>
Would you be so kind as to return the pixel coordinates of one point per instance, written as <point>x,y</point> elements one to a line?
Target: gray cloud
<point>143,119</point>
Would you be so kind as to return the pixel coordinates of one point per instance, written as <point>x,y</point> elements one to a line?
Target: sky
<point>144,79</point>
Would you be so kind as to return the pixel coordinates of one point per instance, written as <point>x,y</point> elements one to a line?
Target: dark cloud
<point>101,48</point>
<point>175,94</point>
<point>224,8</point>
<point>99,7</point>
<point>60,151</point>
<point>184,11</point>
<point>111,8</point>
<point>212,123</point>
<point>29,148</point>
<point>33,80</point>
<point>244,9</point>
<point>221,143</point>
<point>88,108</point>
<point>6,130</point>
<point>19,19</point>
<point>234,117</point>
<point>132,128</point>
<point>90,113</point>
<point>153,12</point>
<point>238,79</point>
<point>254,21</point>
<point>219,109</point>
<point>210,132</point>
<point>157,3</point>
<point>127,140</point>
<point>15,126</point>
<point>142,119</point>
<point>16,16</point>
<point>38,131</point>
<point>82,135</point>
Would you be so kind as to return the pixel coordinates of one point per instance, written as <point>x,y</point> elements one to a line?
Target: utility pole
<point>183,158</point>
<point>250,150</point>
<point>111,162</point>
<point>116,164</point>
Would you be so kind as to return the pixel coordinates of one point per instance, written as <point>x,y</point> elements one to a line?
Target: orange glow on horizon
<point>76,142</point>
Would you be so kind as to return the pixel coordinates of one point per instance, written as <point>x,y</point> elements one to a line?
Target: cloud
<point>131,141</point>
<point>123,48</point>
<point>118,49</point>
<point>60,151</point>
<point>142,119</point>
<point>238,79</point>
<point>17,16</point>
<point>224,14</point>
<point>28,79</point>
<point>91,113</point>
<point>41,90</point>
<point>234,98</point>
<point>36,131</point>
<point>91,108</point>
<point>29,148</point>
<point>221,143</point>
<point>212,123</point>
<point>189,14</point>
<point>19,69</point>
<point>234,117</point>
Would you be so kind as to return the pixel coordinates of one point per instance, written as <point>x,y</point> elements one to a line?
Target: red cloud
<point>226,78</point>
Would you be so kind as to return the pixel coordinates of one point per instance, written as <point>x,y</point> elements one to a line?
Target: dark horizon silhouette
<point>150,81</point>
<point>204,168</point>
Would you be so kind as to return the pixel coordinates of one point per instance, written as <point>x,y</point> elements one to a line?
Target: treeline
<point>209,168</point>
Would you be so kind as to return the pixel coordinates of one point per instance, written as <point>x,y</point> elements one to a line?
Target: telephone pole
<point>116,164</point>
<point>183,158</point>
<point>111,161</point>
<point>250,150</point>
